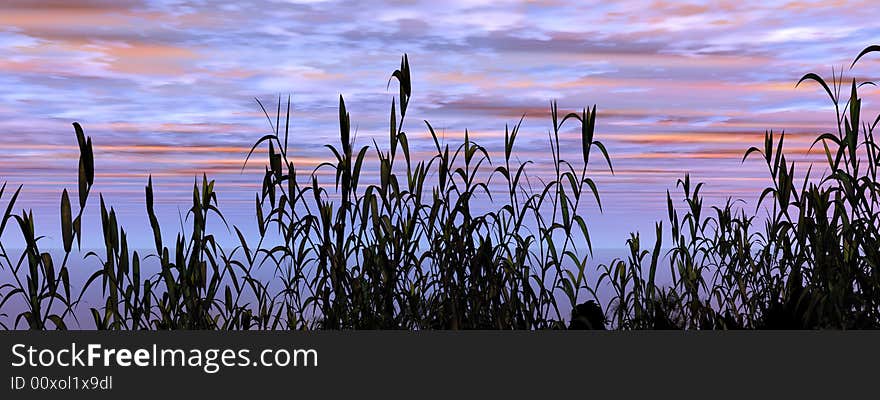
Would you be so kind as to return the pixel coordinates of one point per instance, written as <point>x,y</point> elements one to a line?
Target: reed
<point>413,251</point>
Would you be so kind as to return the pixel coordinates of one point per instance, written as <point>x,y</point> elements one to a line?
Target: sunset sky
<point>167,88</point>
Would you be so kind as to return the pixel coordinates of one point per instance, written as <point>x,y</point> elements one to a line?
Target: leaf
<point>254,147</point>
<point>751,150</point>
<point>392,135</point>
<point>9,206</point>
<point>287,126</point>
<point>601,148</point>
<point>820,81</point>
<point>344,127</point>
<point>595,191</point>
<point>96,317</point>
<point>66,222</point>
<point>59,323</point>
<point>586,136</point>
<point>869,49</point>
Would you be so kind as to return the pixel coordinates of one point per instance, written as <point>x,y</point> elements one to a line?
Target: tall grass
<point>414,250</point>
<point>810,261</point>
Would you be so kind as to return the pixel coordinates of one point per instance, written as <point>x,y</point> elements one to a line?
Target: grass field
<point>412,251</point>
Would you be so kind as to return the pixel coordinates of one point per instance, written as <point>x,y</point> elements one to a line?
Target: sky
<point>167,88</point>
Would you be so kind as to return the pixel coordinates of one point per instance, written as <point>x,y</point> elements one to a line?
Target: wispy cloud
<point>166,87</point>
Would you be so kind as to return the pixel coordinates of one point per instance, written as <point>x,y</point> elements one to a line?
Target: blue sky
<point>167,87</point>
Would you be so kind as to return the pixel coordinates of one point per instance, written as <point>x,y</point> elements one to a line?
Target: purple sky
<point>166,88</point>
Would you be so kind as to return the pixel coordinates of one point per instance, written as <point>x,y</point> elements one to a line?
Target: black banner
<point>228,365</point>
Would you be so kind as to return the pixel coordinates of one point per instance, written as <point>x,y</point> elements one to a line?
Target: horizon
<point>166,88</point>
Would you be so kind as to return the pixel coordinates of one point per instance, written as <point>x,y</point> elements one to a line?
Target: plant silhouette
<point>411,251</point>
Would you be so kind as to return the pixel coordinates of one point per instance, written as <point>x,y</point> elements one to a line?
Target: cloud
<point>167,86</point>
